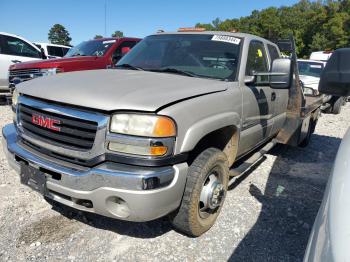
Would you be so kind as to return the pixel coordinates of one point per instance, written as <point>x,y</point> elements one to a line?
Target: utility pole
<point>105,18</point>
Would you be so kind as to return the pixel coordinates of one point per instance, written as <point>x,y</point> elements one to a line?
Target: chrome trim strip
<point>107,174</point>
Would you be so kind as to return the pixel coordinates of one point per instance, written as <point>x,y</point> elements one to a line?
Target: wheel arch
<point>219,131</point>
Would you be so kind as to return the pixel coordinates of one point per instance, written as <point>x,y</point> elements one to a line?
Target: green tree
<point>118,34</point>
<point>319,42</point>
<point>208,27</point>
<point>316,25</point>
<point>59,35</point>
<point>98,37</point>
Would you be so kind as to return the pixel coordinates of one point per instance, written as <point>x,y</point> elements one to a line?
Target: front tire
<point>204,195</point>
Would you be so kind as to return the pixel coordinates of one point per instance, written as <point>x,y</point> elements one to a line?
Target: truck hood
<point>111,90</point>
<point>52,63</point>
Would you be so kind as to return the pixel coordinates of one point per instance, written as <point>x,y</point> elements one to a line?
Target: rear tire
<point>337,104</point>
<point>204,194</point>
<point>310,130</point>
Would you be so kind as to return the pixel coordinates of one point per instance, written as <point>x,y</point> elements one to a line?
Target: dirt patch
<point>49,229</point>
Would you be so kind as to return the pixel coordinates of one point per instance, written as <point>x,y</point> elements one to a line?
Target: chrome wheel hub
<point>212,194</point>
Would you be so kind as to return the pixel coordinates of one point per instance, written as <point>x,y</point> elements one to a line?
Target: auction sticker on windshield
<point>227,39</point>
<point>109,42</point>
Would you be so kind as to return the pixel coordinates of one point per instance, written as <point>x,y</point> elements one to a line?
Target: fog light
<point>150,183</point>
<point>117,207</point>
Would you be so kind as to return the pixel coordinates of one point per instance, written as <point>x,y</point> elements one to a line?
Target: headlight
<point>49,71</point>
<point>308,91</point>
<point>153,135</point>
<point>143,125</point>
<point>15,96</point>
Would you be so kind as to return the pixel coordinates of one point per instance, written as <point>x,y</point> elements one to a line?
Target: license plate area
<point>34,178</point>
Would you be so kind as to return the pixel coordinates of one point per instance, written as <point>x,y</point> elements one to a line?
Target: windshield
<point>90,48</point>
<point>205,56</point>
<point>310,68</point>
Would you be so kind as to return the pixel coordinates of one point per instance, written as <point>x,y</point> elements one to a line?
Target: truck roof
<point>22,38</point>
<point>239,35</point>
<point>312,61</point>
<point>115,38</point>
<point>49,44</point>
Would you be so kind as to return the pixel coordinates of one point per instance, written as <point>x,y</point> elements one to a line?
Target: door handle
<point>16,61</point>
<point>273,96</point>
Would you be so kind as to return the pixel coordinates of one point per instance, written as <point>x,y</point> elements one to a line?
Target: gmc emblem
<point>46,122</point>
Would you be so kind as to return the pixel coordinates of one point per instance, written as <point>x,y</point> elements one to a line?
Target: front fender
<point>206,126</point>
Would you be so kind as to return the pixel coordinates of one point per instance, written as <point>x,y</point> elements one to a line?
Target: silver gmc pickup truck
<point>163,132</point>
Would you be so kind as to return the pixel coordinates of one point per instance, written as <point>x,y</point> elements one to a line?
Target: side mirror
<point>125,50</point>
<point>281,73</point>
<point>335,78</point>
<point>280,76</point>
<point>43,56</point>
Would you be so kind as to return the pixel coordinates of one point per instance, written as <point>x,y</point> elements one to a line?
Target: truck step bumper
<point>110,189</point>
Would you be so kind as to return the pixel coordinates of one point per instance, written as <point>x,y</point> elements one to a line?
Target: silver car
<point>330,236</point>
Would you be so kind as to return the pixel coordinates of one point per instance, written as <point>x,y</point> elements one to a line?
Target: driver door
<point>258,100</point>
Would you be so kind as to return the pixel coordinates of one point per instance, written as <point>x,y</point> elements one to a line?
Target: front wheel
<point>204,195</point>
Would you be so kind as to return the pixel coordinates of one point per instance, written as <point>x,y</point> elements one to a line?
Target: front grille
<point>24,74</point>
<point>74,133</point>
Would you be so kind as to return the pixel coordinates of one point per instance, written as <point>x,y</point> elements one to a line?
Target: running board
<point>250,162</point>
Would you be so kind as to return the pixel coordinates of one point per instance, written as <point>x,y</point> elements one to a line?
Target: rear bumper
<point>109,189</point>
<point>4,85</point>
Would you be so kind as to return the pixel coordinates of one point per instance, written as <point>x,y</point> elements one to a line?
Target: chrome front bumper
<point>109,189</point>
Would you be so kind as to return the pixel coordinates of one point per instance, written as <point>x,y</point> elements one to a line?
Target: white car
<point>53,50</point>
<point>321,55</point>
<point>310,72</point>
<point>14,49</point>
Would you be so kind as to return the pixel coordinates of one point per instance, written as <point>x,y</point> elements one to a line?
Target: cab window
<point>257,60</point>
<point>118,52</point>
<point>55,51</point>
<point>273,53</point>
<point>17,47</point>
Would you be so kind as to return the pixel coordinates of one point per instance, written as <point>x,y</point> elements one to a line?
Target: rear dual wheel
<point>337,105</point>
<point>204,194</point>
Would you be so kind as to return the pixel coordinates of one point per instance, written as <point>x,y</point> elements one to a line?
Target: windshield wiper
<point>128,66</point>
<point>173,70</point>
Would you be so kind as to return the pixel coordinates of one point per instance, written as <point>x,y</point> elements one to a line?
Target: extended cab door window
<point>274,54</point>
<point>17,47</point>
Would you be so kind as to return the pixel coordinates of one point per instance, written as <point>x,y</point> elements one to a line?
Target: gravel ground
<point>267,215</point>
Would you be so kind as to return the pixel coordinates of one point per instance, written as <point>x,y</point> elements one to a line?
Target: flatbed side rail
<point>298,110</point>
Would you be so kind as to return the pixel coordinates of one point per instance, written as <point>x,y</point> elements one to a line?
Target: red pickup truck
<point>94,54</point>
